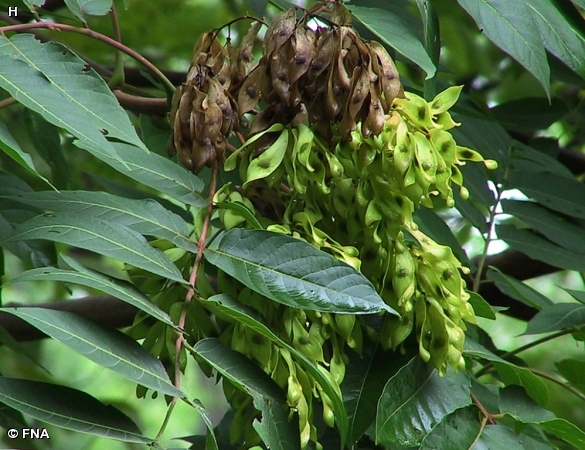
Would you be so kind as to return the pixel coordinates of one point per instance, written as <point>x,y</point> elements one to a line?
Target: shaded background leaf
<point>68,408</point>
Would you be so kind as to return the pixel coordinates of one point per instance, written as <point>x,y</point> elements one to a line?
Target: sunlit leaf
<point>69,408</point>
<point>103,345</point>
<point>294,273</point>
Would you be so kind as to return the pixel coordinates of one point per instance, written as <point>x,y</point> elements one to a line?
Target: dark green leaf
<point>210,440</point>
<point>154,133</point>
<point>86,277</point>
<point>459,430</point>
<point>365,378</point>
<point>573,371</point>
<point>511,26</point>
<point>9,145</point>
<point>392,30</point>
<point>432,41</point>
<point>525,158</point>
<point>152,170</point>
<point>46,140</point>
<point>68,408</point>
<point>294,273</point>
<point>243,211</point>
<point>103,345</point>
<point>258,6</point>
<point>470,212</point>
<point>11,418</point>
<point>480,306</point>
<point>577,295</point>
<point>518,290</point>
<point>81,8</point>
<point>558,36</point>
<point>530,114</point>
<point>557,317</point>
<point>276,430</point>
<point>435,227</point>
<point>224,304</point>
<point>108,239</point>
<point>561,194</point>
<point>539,248</point>
<point>475,179</point>
<point>19,349</point>
<point>497,437</point>
<point>146,217</point>
<point>415,400</point>
<point>552,226</point>
<point>514,403</point>
<point>35,252</point>
<point>488,137</point>
<point>52,81</point>
<point>510,373</point>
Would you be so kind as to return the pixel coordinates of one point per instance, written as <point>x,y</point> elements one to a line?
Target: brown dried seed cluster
<point>327,75</point>
<point>203,112</point>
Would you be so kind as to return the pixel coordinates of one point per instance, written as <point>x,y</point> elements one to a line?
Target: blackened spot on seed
<point>317,65</point>
<point>257,339</point>
<point>466,154</point>
<point>300,59</point>
<point>370,255</point>
<point>304,340</point>
<point>422,112</point>
<point>281,75</point>
<point>445,147</point>
<point>438,342</point>
<point>251,91</point>
<point>264,163</point>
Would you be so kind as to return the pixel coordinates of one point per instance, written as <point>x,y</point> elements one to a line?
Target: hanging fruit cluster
<point>340,156</point>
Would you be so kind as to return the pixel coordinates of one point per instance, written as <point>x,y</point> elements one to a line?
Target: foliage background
<point>514,96</point>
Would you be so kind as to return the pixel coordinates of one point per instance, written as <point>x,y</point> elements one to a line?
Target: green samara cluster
<point>338,155</point>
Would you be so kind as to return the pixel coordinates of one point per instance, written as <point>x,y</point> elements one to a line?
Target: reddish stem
<point>193,278</point>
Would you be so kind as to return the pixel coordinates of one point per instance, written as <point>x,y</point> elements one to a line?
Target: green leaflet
<point>68,408</point>
<point>103,345</point>
<point>294,273</point>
